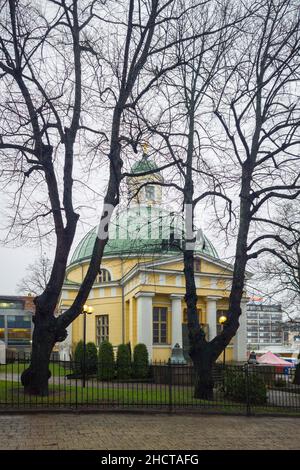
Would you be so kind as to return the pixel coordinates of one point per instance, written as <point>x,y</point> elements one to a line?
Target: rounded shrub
<point>106,361</point>
<point>237,387</point>
<point>123,362</point>
<point>78,358</point>
<point>91,358</point>
<point>140,361</point>
<point>129,349</point>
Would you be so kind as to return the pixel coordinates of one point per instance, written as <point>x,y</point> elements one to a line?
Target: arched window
<point>104,275</point>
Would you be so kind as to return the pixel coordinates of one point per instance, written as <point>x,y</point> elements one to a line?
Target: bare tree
<point>180,130</point>
<point>37,276</point>
<point>60,68</point>
<point>282,269</point>
<point>248,150</point>
<point>259,112</point>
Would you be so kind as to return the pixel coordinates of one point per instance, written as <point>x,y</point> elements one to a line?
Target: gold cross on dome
<point>145,147</point>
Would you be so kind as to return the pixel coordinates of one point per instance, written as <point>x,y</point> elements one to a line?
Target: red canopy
<point>270,358</point>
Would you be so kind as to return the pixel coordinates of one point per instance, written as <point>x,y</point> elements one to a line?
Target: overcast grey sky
<point>13,265</point>
<point>14,260</point>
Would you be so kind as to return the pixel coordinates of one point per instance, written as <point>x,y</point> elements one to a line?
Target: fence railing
<point>243,389</point>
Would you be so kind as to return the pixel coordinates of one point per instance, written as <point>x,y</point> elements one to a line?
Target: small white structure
<point>2,353</point>
<point>65,347</point>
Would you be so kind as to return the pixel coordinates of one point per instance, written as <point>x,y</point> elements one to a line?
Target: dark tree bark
<point>21,49</point>
<point>249,73</point>
<point>297,375</point>
<point>256,191</point>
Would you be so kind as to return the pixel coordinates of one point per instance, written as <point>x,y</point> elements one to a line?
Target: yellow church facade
<point>138,295</point>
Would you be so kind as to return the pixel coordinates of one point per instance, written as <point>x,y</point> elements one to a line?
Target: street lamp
<point>222,321</point>
<point>86,309</point>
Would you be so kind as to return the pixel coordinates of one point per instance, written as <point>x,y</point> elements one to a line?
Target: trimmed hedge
<point>123,362</point>
<point>90,358</point>
<point>106,361</point>
<point>78,358</point>
<point>140,364</point>
<point>236,387</point>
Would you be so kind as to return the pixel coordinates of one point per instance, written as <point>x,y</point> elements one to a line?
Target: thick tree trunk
<point>297,375</point>
<point>203,366</point>
<point>45,335</point>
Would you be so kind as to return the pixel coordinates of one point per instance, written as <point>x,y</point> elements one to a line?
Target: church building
<point>138,295</point>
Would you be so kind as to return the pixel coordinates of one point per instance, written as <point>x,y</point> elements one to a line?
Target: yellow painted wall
<point>161,354</point>
<point>112,305</point>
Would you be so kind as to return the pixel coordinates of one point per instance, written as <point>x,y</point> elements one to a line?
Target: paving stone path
<point>111,431</point>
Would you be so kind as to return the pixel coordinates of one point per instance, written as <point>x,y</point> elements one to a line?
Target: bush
<point>123,362</point>
<point>78,358</point>
<point>140,361</point>
<point>90,358</point>
<point>235,387</point>
<point>106,361</point>
<point>129,349</point>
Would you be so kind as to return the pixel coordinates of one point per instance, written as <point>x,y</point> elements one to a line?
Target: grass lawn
<point>11,393</point>
<point>108,396</point>
<point>17,368</point>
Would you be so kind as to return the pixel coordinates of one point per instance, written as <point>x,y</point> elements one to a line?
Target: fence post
<point>76,393</point>
<point>170,385</point>
<point>248,398</point>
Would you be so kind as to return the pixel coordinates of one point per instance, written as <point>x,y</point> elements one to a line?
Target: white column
<point>211,316</point>
<point>65,347</point>
<point>176,320</point>
<point>131,322</point>
<point>145,320</point>
<point>2,352</point>
<point>240,339</point>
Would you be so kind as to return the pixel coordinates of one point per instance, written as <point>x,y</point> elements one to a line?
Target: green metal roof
<point>141,230</point>
<point>143,165</point>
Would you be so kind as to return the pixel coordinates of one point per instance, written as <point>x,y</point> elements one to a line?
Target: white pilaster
<point>211,316</point>
<point>240,339</point>
<point>65,347</point>
<point>176,319</point>
<point>131,321</point>
<point>145,320</point>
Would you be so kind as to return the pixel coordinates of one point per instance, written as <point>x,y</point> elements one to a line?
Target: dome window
<point>150,193</point>
<point>104,276</point>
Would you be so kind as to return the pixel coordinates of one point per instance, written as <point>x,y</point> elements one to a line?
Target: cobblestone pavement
<point>111,431</point>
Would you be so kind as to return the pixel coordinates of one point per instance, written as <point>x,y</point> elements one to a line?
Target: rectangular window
<point>150,192</point>
<point>6,304</point>
<point>18,329</point>
<point>19,336</point>
<point>102,329</point>
<point>160,315</point>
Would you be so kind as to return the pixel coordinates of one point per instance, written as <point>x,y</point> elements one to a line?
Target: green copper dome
<point>142,230</point>
<point>143,165</point>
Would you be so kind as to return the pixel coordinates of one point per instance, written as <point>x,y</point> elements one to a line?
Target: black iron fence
<point>238,389</point>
